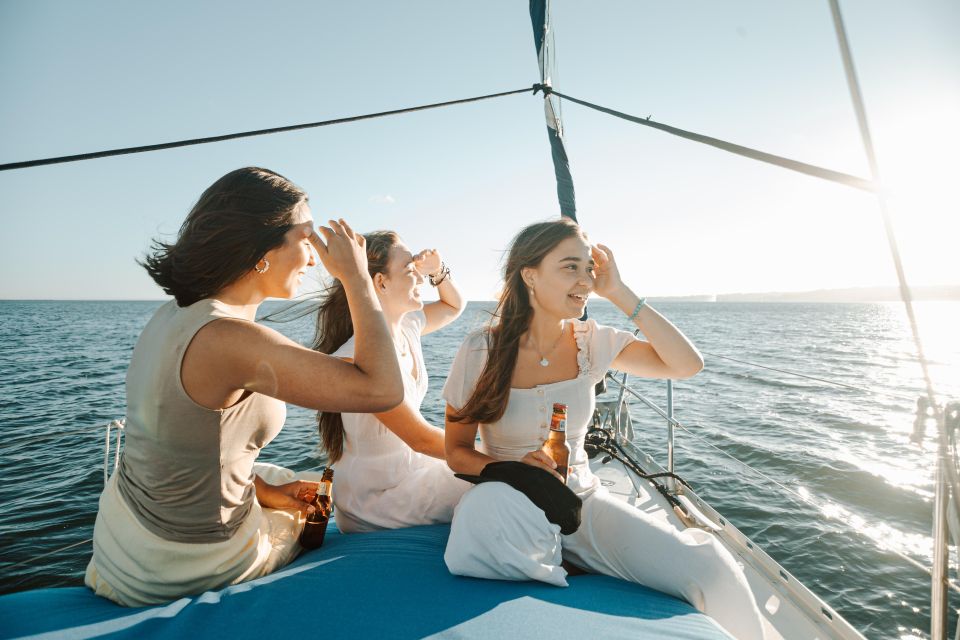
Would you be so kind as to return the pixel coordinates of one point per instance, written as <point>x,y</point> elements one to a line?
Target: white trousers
<point>134,567</point>
<point>498,533</point>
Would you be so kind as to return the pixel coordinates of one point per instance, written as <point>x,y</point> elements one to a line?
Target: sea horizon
<point>852,295</point>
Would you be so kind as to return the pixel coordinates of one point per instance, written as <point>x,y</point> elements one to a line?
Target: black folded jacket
<point>555,499</point>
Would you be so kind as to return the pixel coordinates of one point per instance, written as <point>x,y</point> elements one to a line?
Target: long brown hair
<point>335,327</point>
<point>235,222</point>
<point>511,319</point>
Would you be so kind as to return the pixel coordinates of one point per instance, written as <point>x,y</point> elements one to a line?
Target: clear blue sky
<point>88,75</point>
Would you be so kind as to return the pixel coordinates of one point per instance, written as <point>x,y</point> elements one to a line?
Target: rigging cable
<point>747,152</point>
<point>944,471</point>
<point>891,394</point>
<point>757,472</point>
<point>561,162</point>
<point>800,496</point>
<point>248,134</point>
<point>857,99</point>
<point>49,553</point>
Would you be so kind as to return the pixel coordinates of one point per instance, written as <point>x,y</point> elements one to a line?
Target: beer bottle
<point>315,528</point>
<point>556,444</point>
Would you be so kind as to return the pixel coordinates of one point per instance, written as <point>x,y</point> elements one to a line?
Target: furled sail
<point>543,38</point>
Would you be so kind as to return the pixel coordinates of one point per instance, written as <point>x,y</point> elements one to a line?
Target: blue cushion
<point>383,584</point>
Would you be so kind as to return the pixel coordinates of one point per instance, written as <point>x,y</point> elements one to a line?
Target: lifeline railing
<point>946,420</point>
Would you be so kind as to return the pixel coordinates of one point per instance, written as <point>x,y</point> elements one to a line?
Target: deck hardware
<point>772,605</point>
<point>671,485</point>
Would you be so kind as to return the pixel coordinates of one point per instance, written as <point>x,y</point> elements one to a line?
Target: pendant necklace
<point>402,347</point>
<point>543,356</point>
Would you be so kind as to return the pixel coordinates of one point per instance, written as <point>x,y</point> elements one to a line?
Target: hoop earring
<point>266,265</point>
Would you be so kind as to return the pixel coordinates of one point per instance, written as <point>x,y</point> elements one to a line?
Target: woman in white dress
<point>504,381</point>
<point>390,466</point>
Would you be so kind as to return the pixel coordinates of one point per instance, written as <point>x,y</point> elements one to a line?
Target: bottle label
<point>558,421</point>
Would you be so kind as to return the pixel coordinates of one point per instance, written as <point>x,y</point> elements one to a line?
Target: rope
<point>793,165</point>
<point>29,440</point>
<point>106,455</point>
<point>50,553</point>
<point>246,134</point>
<point>892,394</point>
<point>601,440</point>
<point>119,424</point>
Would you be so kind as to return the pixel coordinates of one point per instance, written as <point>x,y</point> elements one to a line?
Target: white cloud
<point>387,199</point>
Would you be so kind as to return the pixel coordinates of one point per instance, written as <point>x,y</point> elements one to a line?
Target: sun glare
<point>917,162</point>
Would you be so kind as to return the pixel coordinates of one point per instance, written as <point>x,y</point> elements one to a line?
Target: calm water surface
<point>868,490</point>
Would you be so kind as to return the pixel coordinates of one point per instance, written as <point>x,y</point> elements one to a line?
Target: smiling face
<point>563,280</point>
<point>290,260</point>
<point>399,287</point>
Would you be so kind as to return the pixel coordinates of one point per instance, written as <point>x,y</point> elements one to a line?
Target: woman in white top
<point>390,466</point>
<point>504,381</point>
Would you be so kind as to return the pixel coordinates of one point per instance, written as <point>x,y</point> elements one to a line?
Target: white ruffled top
<point>525,423</point>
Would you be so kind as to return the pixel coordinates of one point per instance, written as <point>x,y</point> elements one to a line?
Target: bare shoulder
<point>235,329</point>
<point>232,340</point>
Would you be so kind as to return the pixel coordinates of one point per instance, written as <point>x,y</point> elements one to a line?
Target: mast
<point>543,39</point>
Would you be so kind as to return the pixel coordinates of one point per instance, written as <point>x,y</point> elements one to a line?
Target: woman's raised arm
<point>248,356</point>
<point>668,353</point>
<point>451,303</point>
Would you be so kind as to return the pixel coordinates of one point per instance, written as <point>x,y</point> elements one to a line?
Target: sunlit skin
<point>559,287</point>
<point>399,293</point>
<point>230,358</point>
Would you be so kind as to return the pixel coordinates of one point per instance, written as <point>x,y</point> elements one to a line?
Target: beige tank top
<point>187,471</point>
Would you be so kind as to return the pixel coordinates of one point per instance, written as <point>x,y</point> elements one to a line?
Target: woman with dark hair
<point>187,510</point>
<point>504,381</point>
<point>390,465</point>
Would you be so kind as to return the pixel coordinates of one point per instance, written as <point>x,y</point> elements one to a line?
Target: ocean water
<point>867,490</point>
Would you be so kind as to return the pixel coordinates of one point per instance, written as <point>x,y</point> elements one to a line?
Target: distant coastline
<point>852,294</point>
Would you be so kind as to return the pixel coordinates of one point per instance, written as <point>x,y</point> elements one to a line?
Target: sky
<point>681,218</point>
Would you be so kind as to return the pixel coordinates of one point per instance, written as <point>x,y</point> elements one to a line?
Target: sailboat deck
<point>383,584</point>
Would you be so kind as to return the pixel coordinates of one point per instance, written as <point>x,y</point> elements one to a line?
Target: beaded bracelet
<point>636,311</point>
<point>441,275</point>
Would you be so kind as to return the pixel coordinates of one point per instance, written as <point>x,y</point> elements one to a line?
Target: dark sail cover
<point>542,37</point>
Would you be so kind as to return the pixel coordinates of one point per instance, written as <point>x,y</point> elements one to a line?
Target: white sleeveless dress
<point>498,533</point>
<point>381,483</point>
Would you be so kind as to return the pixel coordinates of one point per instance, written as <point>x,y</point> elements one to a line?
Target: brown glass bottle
<point>315,528</point>
<point>556,445</point>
